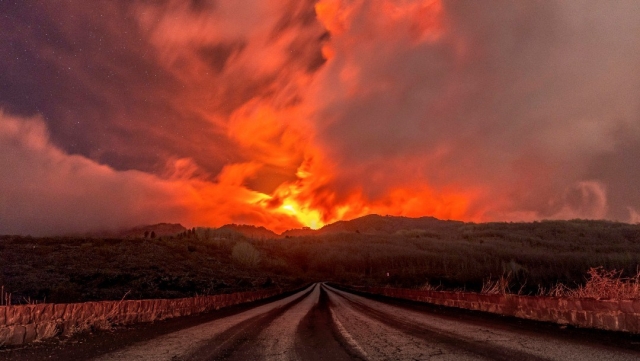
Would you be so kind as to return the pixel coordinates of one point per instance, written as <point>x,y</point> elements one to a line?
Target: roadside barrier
<point>22,324</point>
<point>611,315</point>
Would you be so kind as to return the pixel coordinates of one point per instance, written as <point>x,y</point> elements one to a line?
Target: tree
<point>245,254</point>
<point>153,234</point>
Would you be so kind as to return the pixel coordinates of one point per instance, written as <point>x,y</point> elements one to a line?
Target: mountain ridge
<point>372,224</point>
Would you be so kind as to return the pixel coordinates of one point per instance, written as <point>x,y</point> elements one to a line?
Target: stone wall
<point>613,315</point>
<point>26,323</point>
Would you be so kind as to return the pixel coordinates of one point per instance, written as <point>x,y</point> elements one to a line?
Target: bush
<point>601,284</point>
<point>245,254</point>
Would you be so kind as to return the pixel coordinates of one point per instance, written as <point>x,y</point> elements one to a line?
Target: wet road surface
<point>324,323</point>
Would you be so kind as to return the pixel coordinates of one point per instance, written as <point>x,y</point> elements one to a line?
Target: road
<point>324,323</point>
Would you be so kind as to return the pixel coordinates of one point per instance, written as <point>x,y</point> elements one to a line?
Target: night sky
<point>291,113</point>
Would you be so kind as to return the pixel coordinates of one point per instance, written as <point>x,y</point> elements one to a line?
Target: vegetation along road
<point>324,323</point>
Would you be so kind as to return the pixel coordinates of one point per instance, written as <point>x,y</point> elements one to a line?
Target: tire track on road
<point>180,344</point>
<point>317,337</point>
<point>484,350</point>
<point>232,343</point>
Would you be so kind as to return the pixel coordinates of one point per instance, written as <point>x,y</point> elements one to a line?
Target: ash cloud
<point>46,191</point>
<point>210,112</point>
<point>522,101</point>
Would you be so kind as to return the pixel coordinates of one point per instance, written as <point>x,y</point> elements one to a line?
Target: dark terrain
<point>372,250</point>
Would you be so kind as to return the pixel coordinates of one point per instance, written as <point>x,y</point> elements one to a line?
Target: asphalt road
<point>323,323</point>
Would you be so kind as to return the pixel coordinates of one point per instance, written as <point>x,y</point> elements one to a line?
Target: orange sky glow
<point>284,136</point>
<point>289,114</point>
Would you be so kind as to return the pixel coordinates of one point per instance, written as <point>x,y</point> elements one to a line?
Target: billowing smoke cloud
<point>45,191</point>
<point>508,103</point>
<point>286,113</point>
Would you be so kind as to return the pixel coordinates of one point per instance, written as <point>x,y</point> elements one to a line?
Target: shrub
<point>497,287</point>
<point>601,284</point>
<point>245,254</point>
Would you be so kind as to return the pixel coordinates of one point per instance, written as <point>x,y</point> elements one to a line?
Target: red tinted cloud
<point>51,192</point>
<point>290,113</point>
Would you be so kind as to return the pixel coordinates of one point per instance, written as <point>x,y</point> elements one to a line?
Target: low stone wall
<point>612,315</point>
<point>26,323</point>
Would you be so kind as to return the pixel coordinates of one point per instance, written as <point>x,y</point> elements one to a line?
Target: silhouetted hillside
<point>299,232</point>
<point>159,230</point>
<point>246,231</point>
<point>375,224</point>
<point>372,250</point>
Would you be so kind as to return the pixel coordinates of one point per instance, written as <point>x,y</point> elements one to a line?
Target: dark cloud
<point>92,73</point>
<point>218,55</point>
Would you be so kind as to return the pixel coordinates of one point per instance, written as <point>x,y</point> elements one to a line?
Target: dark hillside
<point>455,254</point>
<point>87,269</point>
<point>372,250</point>
<point>247,231</point>
<point>158,230</point>
<point>375,224</point>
